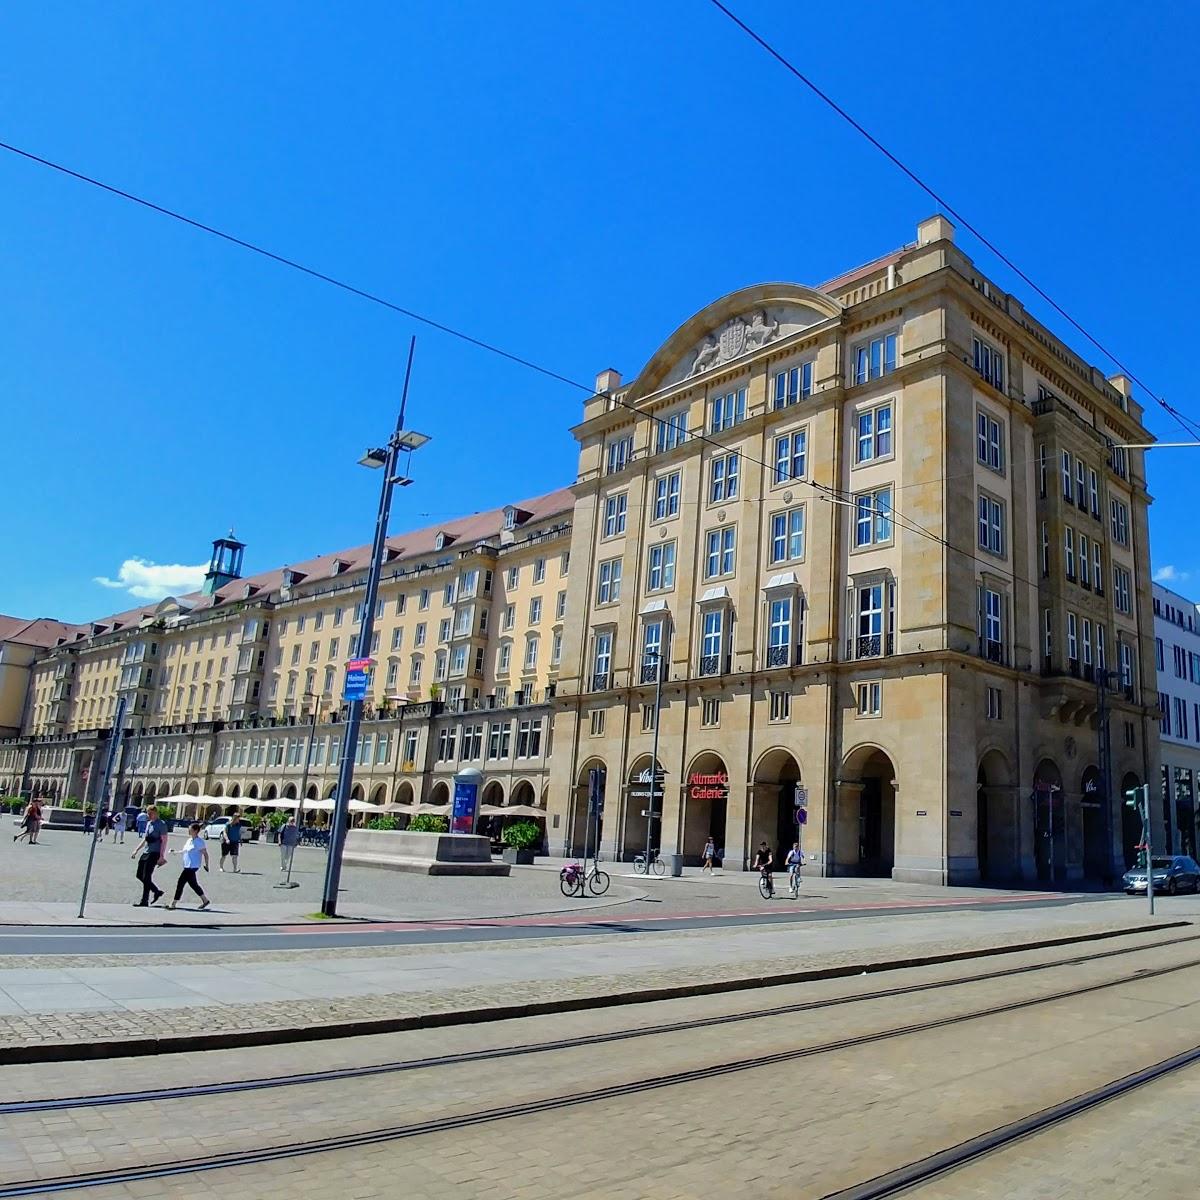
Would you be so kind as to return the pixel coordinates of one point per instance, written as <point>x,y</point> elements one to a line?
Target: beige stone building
<point>223,685</point>
<point>884,541</point>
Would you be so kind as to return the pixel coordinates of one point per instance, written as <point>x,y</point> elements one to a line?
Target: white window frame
<point>615,512</point>
<point>873,514</point>
<point>667,491</point>
<point>792,385</point>
<point>989,441</point>
<point>660,570</point>
<point>723,478</point>
<point>791,457</point>
<point>727,410</point>
<point>874,357</point>
<point>874,437</point>
<point>787,536</point>
<point>720,552</point>
<point>608,581</point>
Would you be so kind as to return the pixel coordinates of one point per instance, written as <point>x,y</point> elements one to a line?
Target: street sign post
<point>1139,798</point>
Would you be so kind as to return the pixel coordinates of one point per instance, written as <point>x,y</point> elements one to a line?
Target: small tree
<point>278,819</point>
<point>383,823</point>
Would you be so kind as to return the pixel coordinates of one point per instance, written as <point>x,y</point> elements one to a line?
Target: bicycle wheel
<point>639,865</point>
<point>660,867</point>
<point>764,887</point>
<point>598,882</point>
<point>567,886</point>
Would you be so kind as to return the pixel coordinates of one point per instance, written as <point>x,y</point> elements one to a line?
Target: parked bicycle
<point>656,864</point>
<point>573,879</point>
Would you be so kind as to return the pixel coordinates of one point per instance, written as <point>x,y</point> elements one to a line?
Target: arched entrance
<point>1091,803</point>
<point>773,817</point>
<point>865,814</point>
<point>379,795</point>
<point>439,793</point>
<point>637,825</point>
<point>1131,822</point>
<point>705,804</point>
<point>585,834</point>
<point>997,829</point>
<point>1049,818</point>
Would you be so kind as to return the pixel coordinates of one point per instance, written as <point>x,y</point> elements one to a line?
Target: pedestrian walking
<point>194,856</point>
<point>140,821</point>
<point>31,820</point>
<point>231,842</point>
<point>118,827</point>
<point>710,849</point>
<point>153,854</point>
<point>289,839</point>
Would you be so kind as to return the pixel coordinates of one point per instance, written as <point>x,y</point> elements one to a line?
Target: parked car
<point>1173,873</point>
<point>215,828</point>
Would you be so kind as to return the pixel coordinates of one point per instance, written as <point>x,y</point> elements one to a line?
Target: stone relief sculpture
<point>734,338</point>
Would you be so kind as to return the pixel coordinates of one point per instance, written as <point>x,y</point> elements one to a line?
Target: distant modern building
<point>1177,657</point>
<point>884,541</point>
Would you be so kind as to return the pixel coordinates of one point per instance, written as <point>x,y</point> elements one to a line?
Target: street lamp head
<point>374,459</point>
<point>408,439</point>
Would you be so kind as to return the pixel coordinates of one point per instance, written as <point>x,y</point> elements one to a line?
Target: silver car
<point>1173,873</point>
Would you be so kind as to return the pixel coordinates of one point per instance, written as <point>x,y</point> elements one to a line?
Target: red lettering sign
<point>708,786</point>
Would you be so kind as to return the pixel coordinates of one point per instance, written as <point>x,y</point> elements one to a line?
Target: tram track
<point>896,1181</point>
<point>340,1074</point>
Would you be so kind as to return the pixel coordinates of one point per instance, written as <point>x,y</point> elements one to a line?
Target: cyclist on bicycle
<point>795,860</point>
<point>762,862</point>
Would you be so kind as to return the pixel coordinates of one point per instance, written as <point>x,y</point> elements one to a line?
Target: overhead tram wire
<point>1183,421</point>
<point>833,495</point>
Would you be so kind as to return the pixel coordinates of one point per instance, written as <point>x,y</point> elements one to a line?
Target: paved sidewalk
<point>280,989</point>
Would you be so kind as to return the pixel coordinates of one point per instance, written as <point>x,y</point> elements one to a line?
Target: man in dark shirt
<point>763,859</point>
<point>231,841</point>
<point>152,850</point>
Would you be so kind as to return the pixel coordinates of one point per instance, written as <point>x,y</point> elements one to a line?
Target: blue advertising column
<point>465,808</point>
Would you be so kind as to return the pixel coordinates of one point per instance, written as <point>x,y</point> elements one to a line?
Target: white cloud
<point>1170,574</point>
<point>153,581</point>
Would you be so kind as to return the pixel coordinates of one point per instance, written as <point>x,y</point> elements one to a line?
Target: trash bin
<point>675,862</point>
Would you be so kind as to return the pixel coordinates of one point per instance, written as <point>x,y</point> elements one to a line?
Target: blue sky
<point>570,180</point>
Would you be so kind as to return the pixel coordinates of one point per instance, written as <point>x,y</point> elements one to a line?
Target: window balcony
<point>600,681</point>
<point>872,645</point>
<point>1089,673</point>
<point>710,664</point>
<point>1127,690</point>
<point>1073,667</point>
<point>992,650</point>
<point>650,672</point>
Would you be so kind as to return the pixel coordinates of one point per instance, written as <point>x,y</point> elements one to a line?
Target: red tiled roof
<point>417,543</point>
<point>41,631</point>
<point>876,264</point>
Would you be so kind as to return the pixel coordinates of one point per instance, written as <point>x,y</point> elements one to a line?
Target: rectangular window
<point>1042,470</point>
<point>596,722</point>
<point>1069,551</point>
<point>1094,492</point>
<point>869,697</point>
<point>512,577</point>
<point>1121,590</point>
<point>1085,562</point>
<point>869,642</point>
<point>1067,485</point>
<point>666,495</point>
<point>620,452</point>
<point>661,575</point>
<point>1125,654</point>
<point>458,660</point>
<point>652,650</point>
<point>1119,461</point>
<point>535,604</point>
<point>873,517</point>
<point>787,536</point>
<point>991,524</point>
<point>531,653</point>
<point>710,712</point>
<point>504,658</point>
<point>423,599</point>
<point>539,564</point>
<point>670,430</point>
<point>1164,713</point>
<point>1101,654</point>
<point>718,558</point>
<point>723,481</point>
<point>444,630</point>
<point>615,508</point>
<point>1045,550</point>
<point>419,634</point>
<point>727,411</point>
<point>1097,568</point>
<point>1120,522</point>
<point>1081,496</point>
<point>779,632</point>
<point>602,660</point>
<point>791,456</point>
<point>556,648</point>
<point>793,385</point>
<point>874,439</point>
<point>992,626</point>
<point>712,641</point>
<point>989,362</point>
<point>608,589</point>
<point>780,706</point>
<point>989,446</point>
<point>647,718</point>
<point>874,358</point>
<point>1073,640</point>
<point>995,707</point>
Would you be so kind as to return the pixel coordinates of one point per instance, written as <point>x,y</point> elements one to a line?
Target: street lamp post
<point>312,733</point>
<point>385,457</point>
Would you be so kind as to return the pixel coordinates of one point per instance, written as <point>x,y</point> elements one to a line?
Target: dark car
<point>1172,873</point>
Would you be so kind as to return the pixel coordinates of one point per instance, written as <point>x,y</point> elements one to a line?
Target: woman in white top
<point>195,855</point>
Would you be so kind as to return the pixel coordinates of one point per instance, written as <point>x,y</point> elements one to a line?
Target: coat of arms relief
<point>736,337</point>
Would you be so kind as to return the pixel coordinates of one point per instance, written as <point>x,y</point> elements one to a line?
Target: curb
<point>238,1038</point>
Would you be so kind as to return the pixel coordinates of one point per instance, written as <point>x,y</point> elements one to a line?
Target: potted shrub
<point>383,823</point>
<point>521,839</point>
<point>429,823</point>
<point>275,822</point>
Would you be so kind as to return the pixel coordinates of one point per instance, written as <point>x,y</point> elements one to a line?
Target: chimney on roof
<point>608,381</point>
<point>225,565</point>
<point>934,229</point>
<point>1123,384</point>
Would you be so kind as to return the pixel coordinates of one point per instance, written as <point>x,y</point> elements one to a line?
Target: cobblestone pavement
<point>51,1001</point>
<point>795,1129</point>
<point>1143,1144</point>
